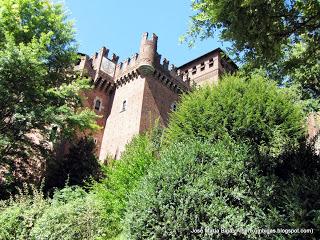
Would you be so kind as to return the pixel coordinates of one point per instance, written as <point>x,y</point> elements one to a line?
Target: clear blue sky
<point>118,25</point>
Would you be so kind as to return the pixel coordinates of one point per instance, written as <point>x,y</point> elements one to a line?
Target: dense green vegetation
<point>38,93</point>
<point>72,212</point>
<point>249,109</point>
<point>236,159</point>
<point>200,186</point>
<point>282,37</point>
<point>234,156</point>
<point>124,175</point>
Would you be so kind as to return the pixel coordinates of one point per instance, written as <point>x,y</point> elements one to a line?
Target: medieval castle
<point>131,95</point>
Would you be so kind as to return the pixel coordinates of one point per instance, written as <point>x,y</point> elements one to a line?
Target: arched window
<point>124,106</point>
<point>97,105</point>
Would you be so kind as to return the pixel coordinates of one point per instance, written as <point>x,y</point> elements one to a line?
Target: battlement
<point>129,69</point>
<point>148,62</point>
<point>133,93</point>
<point>98,58</point>
<point>127,65</point>
<point>100,68</point>
<point>207,68</point>
<point>146,40</point>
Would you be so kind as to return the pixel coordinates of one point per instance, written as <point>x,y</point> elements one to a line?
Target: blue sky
<point>118,25</point>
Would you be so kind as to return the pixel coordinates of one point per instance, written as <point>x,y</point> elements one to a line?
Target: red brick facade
<point>132,94</point>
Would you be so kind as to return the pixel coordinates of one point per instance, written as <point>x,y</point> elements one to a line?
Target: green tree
<point>281,36</point>
<point>124,175</point>
<point>38,92</point>
<point>250,109</point>
<point>235,158</point>
<point>198,186</point>
<point>77,167</point>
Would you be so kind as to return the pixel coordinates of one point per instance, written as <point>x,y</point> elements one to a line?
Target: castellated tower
<point>148,51</point>
<point>145,91</point>
<point>100,69</point>
<point>131,95</point>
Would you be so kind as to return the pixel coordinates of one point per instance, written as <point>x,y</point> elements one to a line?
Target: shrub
<point>18,215</point>
<point>252,110</point>
<point>124,175</point>
<point>73,214</point>
<point>70,214</point>
<point>201,186</point>
<point>196,187</point>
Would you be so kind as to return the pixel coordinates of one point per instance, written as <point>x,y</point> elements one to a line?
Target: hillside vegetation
<point>234,156</point>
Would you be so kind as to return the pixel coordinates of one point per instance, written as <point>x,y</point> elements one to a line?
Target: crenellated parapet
<point>148,54</point>
<point>126,66</point>
<point>107,73</point>
<point>100,68</point>
<point>148,63</point>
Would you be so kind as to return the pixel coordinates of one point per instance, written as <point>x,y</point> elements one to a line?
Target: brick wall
<point>121,126</point>
<point>106,99</point>
<point>157,101</point>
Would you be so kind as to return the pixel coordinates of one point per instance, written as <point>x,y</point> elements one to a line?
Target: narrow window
<point>185,75</point>
<point>211,62</point>
<point>202,66</point>
<point>194,70</point>
<point>124,106</point>
<point>97,105</point>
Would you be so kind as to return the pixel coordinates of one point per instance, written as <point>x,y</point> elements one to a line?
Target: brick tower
<point>131,95</point>
<point>145,91</point>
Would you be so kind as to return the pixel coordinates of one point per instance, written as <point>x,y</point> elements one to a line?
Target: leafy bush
<point>124,175</point>
<point>200,186</point>
<point>73,214</point>
<point>18,216</point>
<point>252,110</point>
<point>70,214</point>
<point>194,186</point>
<point>236,158</point>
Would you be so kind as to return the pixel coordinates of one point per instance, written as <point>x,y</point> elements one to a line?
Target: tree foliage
<point>281,36</point>
<point>70,214</point>
<point>78,167</point>
<point>124,175</point>
<point>253,110</point>
<point>38,91</point>
<point>197,187</point>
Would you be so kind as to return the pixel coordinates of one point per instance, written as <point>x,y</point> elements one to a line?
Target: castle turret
<point>148,49</point>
